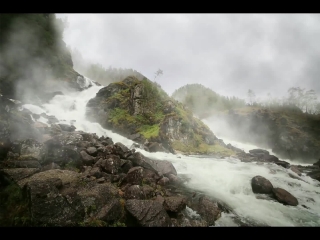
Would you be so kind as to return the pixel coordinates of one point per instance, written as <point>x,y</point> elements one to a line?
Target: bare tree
<point>251,96</point>
<point>158,73</point>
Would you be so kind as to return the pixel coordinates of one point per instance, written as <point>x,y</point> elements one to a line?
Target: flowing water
<point>227,180</point>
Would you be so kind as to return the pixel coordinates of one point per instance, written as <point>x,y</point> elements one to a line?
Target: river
<point>227,180</point>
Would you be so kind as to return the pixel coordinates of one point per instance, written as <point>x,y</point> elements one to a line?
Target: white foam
<point>227,180</point>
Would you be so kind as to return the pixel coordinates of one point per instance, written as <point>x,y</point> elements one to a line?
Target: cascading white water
<point>227,180</point>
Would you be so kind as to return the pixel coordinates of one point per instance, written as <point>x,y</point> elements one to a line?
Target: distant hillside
<point>98,73</point>
<point>32,52</point>
<point>203,101</point>
<point>290,133</point>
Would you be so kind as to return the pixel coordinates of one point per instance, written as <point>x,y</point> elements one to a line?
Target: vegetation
<point>14,207</point>
<point>200,147</point>
<point>141,106</point>
<point>202,101</point>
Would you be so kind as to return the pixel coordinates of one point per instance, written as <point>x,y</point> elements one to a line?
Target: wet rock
<point>134,136</point>
<point>134,192</point>
<point>148,191</point>
<point>52,120</point>
<point>51,166</point>
<point>317,163</point>
<point>138,159</point>
<point>163,181</point>
<point>150,177</point>
<point>296,177</point>
<point>148,213</point>
<point>314,174</point>
<point>63,198</point>
<point>92,151</point>
<point>86,136</point>
<point>66,127</point>
<point>121,150</point>
<point>48,206</point>
<point>107,141</point>
<point>155,147</point>
<point>111,211</point>
<point>260,184</point>
<point>295,170</point>
<point>126,166</point>
<point>284,197</point>
<point>174,179</point>
<point>175,204</point>
<point>282,163</point>
<point>103,152</point>
<point>110,165</point>
<point>42,127</point>
<point>17,174</point>
<point>31,148</point>
<point>86,158</point>
<point>26,163</point>
<point>270,158</point>
<point>164,167</point>
<point>95,171</point>
<point>207,209</point>
<point>259,151</point>
<point>133,177</point>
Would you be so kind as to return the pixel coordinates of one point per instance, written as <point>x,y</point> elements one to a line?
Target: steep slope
<point>142,111</point>
<point>32,54</point>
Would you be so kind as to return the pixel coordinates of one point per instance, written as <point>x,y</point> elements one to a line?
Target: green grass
<point>119,115</point>
<point>149,131</point>
<point>202,148</point>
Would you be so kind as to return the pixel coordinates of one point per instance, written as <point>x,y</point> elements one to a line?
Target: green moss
<point>118,224</point>
<point>92,222</point>
<point>72,166</point>
<point>199,147</point>
<point>149,131</point>
<point>14,206</point>
<point>118,116</point>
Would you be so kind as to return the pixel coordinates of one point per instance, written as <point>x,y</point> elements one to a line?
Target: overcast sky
<point>229,53</point>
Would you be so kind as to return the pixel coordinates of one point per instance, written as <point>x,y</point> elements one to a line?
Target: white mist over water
<point>248,146</point>
<point>227,180</point>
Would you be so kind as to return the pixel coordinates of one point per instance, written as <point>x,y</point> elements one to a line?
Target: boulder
<point>148,213</point>
<point>295,170</point>
<point>284,197</point>
<point>260,184</point>
<point>315,174</point>
<point>66,127</point>
<point>175,203</point>
<point>134,192</point>
<point>133,177</point>
<point>207,209</point>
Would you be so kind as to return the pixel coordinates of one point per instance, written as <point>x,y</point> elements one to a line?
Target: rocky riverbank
<point>54,175</point>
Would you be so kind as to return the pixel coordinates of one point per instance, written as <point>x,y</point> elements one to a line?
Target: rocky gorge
<point>75,153</point>
<point>53,174</point>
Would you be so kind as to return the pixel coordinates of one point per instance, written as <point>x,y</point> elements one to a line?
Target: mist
<point>29,57</point>
<point>229,53</point>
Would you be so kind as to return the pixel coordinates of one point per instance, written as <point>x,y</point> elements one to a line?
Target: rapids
<point>227,180</point>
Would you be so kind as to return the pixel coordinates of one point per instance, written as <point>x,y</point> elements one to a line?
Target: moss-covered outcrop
<point>142,111</point>
<point>32,53</point>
